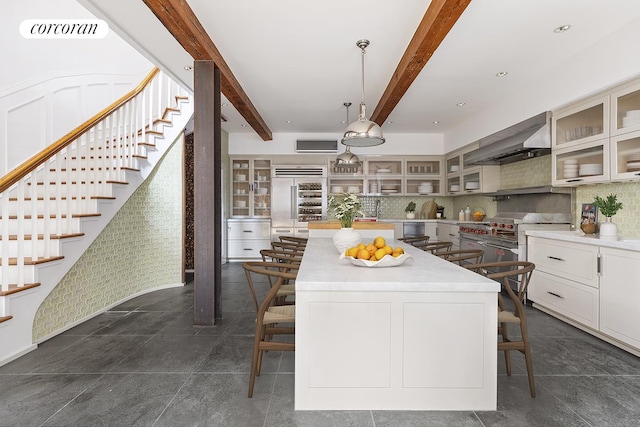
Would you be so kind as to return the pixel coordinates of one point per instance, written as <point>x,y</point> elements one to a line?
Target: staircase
<point>53,206</point>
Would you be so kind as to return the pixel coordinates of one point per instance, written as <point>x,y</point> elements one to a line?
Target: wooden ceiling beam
<point>440,17</point>
<point>179,19</point>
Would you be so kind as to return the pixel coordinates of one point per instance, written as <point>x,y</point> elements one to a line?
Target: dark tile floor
<point>143,363</point>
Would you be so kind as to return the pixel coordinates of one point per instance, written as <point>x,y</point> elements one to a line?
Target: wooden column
<point>207,194</point>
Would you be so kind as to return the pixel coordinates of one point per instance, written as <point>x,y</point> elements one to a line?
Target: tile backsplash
<point>628,218</point>
<point>527,173</point>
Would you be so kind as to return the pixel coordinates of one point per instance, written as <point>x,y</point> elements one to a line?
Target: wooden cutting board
<point>428,210</point>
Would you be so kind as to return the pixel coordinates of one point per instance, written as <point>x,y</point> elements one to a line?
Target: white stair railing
<point>41,199</point>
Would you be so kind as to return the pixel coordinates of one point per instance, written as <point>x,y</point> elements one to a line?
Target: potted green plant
<point>608,207</point>
<point>345,207</point>
<point>410,210</point>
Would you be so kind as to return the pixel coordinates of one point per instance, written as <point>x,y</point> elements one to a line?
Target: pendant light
<point>362,132</point>
<point>348,159</point>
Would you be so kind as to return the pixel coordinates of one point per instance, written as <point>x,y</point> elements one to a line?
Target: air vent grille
<point>317,146</point>
<point>298,171</point>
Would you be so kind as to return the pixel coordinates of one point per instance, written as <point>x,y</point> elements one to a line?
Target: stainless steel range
<point>503,237</point>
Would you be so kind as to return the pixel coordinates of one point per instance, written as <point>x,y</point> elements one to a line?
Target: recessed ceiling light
<point>243,125</point>
<point>188,67</point>
<point>390,122</point>
<point>288,121</point>
<point>561,28</point>
<point>501,74</point>
<point>435,122</point>
<point>460,104</point>
<point>224,104</point>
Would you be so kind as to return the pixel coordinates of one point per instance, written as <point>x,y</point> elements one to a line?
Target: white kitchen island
<point>420,336</point>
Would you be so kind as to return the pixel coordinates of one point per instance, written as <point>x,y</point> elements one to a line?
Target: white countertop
<point>619,242</point>
<point>445,221</point>
<point>323,270</point>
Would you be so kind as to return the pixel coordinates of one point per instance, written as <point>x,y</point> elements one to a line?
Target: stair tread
<point>31,261</point>
<point>53,216</point>
<point>15,289</point>
<point>107,181</point>
<point>92,169</point>
<point>41,236</point>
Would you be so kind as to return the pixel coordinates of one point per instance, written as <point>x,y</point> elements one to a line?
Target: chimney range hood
<point>527,139</point>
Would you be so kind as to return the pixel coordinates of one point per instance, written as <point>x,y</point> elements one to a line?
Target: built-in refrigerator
<point>298,196</point>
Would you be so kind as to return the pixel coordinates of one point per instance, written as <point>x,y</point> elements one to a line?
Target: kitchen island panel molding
<point>384,338</point>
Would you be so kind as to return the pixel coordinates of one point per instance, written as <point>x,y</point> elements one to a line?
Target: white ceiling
<point>298,61</point>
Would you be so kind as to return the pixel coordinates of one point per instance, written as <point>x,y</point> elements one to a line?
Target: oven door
<point>496,252</point>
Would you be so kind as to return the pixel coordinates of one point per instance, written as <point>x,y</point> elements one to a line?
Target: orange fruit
<point>379,242</point>
<point>351,252</point>
<point>388,249</point>
<point>371,248</point>
<point>380,253</point>
<point>361,246</point>
<point>363,254</point>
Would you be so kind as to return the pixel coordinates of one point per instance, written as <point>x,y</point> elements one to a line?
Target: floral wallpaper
<point>140,249</point>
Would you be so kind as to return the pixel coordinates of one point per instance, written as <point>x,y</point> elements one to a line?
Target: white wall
<point>284,143</point>
<point>48,87</point>
<point>606,63</point>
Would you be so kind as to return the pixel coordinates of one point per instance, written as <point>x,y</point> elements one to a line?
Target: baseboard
<point>18,354</point>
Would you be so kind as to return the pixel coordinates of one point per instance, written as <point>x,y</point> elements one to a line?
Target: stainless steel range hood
<point>527,139</point>
<point>542,189</point>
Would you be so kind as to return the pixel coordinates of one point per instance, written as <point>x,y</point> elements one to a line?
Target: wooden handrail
<point>28,166</point>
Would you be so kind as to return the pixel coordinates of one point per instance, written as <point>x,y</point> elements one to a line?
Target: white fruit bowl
<point>387,261</point>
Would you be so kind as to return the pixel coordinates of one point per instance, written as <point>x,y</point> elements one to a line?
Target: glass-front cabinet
<point>582,123</point>
<point>625,156</point>
<point>251,188</point>
<point>587,163</point>
<point>625,109</point>
<point>423,176</point>
<point>598,140</point>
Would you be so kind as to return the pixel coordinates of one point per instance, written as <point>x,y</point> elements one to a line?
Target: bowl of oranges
<point>376,254</point>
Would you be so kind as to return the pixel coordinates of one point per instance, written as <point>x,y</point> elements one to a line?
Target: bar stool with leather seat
<point>520,271</point>
<point>270,316</point>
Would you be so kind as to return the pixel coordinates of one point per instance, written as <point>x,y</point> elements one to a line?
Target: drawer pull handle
<point>555,257</point>
<point>247,231</point>
<point>555,295</point>
<point>247,249</point>
<point>574,180</point>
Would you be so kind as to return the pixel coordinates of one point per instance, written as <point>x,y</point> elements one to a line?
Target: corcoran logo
<point>63,29</point>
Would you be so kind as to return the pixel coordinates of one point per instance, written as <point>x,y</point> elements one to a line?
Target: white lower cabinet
<point>246,238</point>
<point>620,295</point>
<point>571,299</point>
<point>448,233</point>
<point>591,285</point>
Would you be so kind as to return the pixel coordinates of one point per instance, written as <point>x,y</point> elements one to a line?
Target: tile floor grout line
<point>73,398</point>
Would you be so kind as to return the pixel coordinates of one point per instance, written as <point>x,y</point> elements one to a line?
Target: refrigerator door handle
<point>294,201</point>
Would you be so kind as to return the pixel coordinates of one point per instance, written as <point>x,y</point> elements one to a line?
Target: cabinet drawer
<point>566,297</point>
<point>247,248</point>
<point>565,259</point>
<point>249,230</point>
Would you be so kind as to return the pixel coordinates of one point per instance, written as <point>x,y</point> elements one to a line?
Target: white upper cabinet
<point>598,139</point>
